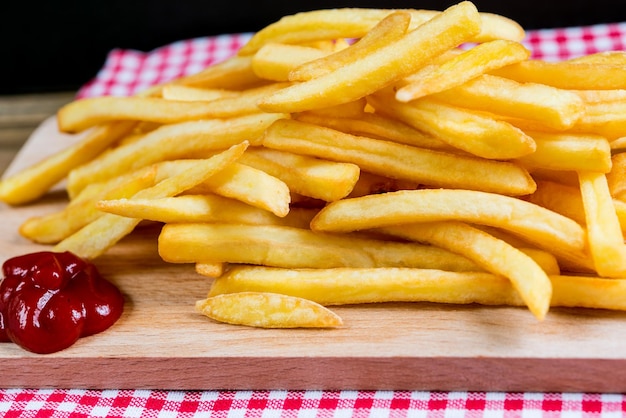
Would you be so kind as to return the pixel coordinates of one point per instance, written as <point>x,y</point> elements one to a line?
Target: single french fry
<point>268,310</point>
<point>170,142</point>
<point>390,159</point>
<point>493,254</point>
<point>606,242</point>
<point>555,108</point>
<point>286,247</point>
<point>343,286</point>
<point>604,57</point>
<point>566,74</point>
<point>189,208</point>
<point>98,236</point>
<point>466,130</point>
<point>340,286</point>
<point>308,176</point>
<point>461,68</point>
<point>254,244</point>
<point>212,270</point>
<point>569,152</point>
<point>35,181</point>
<point>85,113</point>
<point>389,29</point>
<point>382,67</point>
<point>538,225</point>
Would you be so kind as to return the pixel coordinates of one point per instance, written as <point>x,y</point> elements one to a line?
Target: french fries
<point>358,156</point>
<point>383,66</point>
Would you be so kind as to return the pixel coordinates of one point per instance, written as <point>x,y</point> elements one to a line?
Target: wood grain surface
<point>160,342</point>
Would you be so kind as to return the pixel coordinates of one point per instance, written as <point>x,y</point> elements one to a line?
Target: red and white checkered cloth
<point>127,72</point>
<point>56,403</point>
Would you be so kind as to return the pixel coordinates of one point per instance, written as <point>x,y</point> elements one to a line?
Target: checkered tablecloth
<point>126,72</point>
<point>303,404</point>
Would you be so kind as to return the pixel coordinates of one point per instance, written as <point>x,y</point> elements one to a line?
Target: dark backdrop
<point>50,45</point>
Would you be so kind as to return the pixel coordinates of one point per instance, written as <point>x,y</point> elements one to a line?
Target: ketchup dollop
<point>49,300</point>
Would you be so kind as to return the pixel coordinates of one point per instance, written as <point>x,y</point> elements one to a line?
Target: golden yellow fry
<point>203,208</point>
<point>340,286</point>
<point>85,113</point>
<point>538,225</point>
<point>54,227</point>
<point>212,270</point>
<point>461,68</point>
<point>549,106</point>
<point>375,126</point>
<point>255,244</point>
<point>567,74</point>
<point>98,236</point>
<point>390,159</point>
<point>569,152</point>
<point>492,254</point>
<point>604,57</point>
<point>343,286</point>
<point>606,242</point>
<point>325,24</point>
<point>170,142</point>
<point>381,67</point>
<point>36,180</point>
<point>268,310</point>
<point>249,185</point>
<point>275,61</point>
<point>467,130</point>
<point>287,247</point>
<point>389,29</point>
<point>308,176</point>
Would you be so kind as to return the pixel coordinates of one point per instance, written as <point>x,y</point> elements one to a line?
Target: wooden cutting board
<point>160,342</point>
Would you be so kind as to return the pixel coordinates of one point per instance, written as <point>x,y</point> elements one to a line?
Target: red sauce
<point>49,300</point>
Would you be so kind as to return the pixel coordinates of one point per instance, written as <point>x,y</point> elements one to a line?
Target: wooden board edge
<point>327,373</point>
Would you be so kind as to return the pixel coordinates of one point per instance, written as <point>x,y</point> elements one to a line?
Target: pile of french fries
<point>350,156</point>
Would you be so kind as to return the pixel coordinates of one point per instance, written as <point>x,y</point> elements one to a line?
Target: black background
<point>59,45</point>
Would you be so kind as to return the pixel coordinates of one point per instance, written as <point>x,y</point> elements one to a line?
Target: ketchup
<point>49,300</point>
